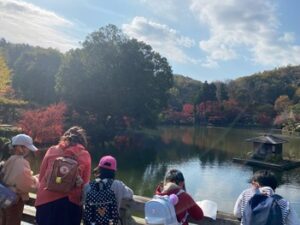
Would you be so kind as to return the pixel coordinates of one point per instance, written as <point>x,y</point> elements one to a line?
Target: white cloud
<point>247,24</point>
<point>169,9</point>
<point>163,39</point>
<point>23,22</point>
<point>276,55</point>
<point>288,37</point>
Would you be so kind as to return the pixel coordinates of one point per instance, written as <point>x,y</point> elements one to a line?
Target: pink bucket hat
<point>108,162</point>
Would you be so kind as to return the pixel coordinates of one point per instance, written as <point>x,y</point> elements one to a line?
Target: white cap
<point>25,140</point>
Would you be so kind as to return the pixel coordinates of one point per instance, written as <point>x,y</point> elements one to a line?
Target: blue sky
<point>203,39</point>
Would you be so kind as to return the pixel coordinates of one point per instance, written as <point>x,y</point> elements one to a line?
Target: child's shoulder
<point>13,158</point>
<point>117,182</point>
<point>16,161</point>
<point>249,192</point>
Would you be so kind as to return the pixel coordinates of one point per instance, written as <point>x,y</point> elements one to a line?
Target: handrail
<point>132,213</point>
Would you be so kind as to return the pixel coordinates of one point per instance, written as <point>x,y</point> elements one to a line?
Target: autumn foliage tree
<point>44,125</point>
<point>4,76</point>
<point>8,104</point>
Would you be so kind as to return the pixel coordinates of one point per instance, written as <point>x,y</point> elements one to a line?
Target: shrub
<point>44,125</point>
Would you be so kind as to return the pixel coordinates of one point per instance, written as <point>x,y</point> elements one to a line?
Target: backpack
<point>100,205</point>
<point>7,196</point>
<point>263,210</point>
<point>160,210</point>
<point>63,174</point>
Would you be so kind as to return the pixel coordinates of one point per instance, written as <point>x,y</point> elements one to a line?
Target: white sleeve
<point>238,206</point>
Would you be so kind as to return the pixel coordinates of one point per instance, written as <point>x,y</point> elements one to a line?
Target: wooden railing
<point>132,213</point>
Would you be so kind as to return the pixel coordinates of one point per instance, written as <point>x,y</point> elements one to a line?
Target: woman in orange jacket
<point>54,207</point>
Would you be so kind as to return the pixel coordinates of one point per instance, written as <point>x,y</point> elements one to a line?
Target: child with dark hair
<point>103,196</point>
<point>264,182</point>
<point>53,207</point>
<point>106,171</point>
<point>174,184</point>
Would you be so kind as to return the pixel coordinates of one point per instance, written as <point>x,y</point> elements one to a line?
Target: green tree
<point>113,76</point>
<point>221,91</point>
<point>296,97</point>
<point>206,93</point>
<point>34,75</point>
<point>12,52</point>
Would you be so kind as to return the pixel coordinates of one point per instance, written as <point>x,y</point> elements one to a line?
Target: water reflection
<point>205,157</point>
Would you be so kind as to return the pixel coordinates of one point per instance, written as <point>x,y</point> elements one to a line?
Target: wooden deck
<point>132,213</point>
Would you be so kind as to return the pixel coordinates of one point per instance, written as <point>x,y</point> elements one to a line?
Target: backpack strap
<point>184,218</point>
<point>100,184</point>
<point>276,197</point>
<point>73,155</point>
<point>180,192</point>
<point>186,213</point>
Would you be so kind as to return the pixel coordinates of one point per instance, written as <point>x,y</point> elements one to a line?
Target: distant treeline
<point>269,98</point>
<point>113,82</point>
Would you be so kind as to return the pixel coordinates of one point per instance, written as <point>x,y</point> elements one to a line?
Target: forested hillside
<point>269,98</point>
<point>109,84</point>
<point>183,91</point>
<point>115,82</point>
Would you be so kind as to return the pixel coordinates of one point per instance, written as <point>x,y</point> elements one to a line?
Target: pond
<point>204,155</point>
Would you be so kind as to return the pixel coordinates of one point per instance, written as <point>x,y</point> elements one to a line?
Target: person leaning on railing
<point>186,206</point>
<point>17,175</point>
<point>60,207</point>
<point>264,182</point>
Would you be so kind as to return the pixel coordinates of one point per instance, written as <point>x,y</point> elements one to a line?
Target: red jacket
<point>185,204</point>
<point>84,159</point>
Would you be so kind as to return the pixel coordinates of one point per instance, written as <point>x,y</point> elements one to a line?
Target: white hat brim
<point>32,148</point>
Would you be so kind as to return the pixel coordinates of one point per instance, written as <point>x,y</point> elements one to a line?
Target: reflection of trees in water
<point>231,140</point>
<point>139,168</point>
<point>145,168</point>
<point>290,149</point>
<point>214,156</point>
<point>291,176</point>
<point>152,176</point>
<point>226,139</point>
<point>284,177</point>
<point>185,143</point>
